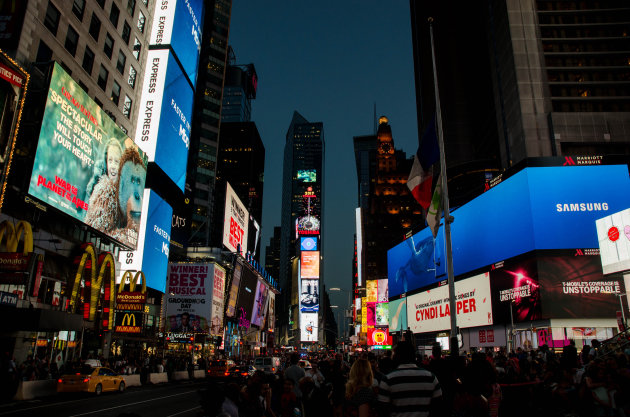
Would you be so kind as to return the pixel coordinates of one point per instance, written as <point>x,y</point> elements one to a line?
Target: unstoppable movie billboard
<point>86,166</point>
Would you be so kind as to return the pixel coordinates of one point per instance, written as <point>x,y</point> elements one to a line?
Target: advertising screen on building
<point>381,314</point>
<point>189,290</point>
<point>429,311</point>
<point>383,291</point>
<point>309,295</point>
<point>371,290</point>
<point>308,327</point>
<point>613,235</point>
<point>307,175</point>
<point>86,166</point>
<point>398,315</point>
<point>309,264</point>
<point>379,337</point>
<point>235,222</point>
<point>165,114</point>
<point>515,282</point>
<point>271,312</point>
<point>371,313</point>
<point>308,225</point>
<point>308,243</point>
<point>260,303</point>
<point>542,207</point>
<point>151,257</point>
<point>246,295</point>
<point>230,311</point>
<point>574,286</point>
<point>178,23</point>
<point>218,296</point>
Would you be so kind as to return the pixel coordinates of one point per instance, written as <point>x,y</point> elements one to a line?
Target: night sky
<point>330,61</point>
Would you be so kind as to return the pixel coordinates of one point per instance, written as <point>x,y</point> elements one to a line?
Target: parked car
<point>220,368</point>
<point>269,364</point>
<point>88,379</point>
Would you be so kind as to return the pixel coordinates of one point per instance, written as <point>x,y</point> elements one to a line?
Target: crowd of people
<point>489,384</point>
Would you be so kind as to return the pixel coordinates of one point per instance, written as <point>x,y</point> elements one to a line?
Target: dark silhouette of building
<point>241,82</point>
<point>272,253</point>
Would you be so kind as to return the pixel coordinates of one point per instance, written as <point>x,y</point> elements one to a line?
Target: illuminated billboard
<point>398,315</point>
<point>86,166</point>
<point>260,303</point>
<point>379,337</point>
<point>308,225</point>
<point>429,311</point>
<point>309,295</point>
<point>308,243</point>
<point>383,291</point>
<point>218,296</point>
<point>541,207</point>
<point>246,296</point>
<point>235,222</point>
<point>165,112</point>
<point>309,265</point>
<point>371,290</point>
<point>230,311</point>
<point>178,23</point>
<point>188,297</point>
<point>516,291</point>
<point>307,175</point>
<point>613,235</point>
<point>151,257</point>
<point>308,327</point>
<point>381,314</point>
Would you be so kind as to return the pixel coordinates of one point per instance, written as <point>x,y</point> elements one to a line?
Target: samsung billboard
<point>166,104</point>
<point>86,166</point>
<point>536,208</point>
<point>178,23</point>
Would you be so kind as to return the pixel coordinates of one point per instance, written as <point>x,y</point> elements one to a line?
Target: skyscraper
<point>302,193</point>
<point>523,79</point>
<point>241,83</point>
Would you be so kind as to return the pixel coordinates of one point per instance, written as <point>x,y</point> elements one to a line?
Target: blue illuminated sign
<point>308,243</point>
<point>536,208</point>
<point>156,242</point>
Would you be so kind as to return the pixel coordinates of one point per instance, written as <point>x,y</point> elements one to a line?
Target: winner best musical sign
<point>430,310</point>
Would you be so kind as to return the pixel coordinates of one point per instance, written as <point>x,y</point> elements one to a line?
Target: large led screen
<point>308,327</point>
<point>575,287</point>
<point>188,297</point>
<point>163,129</point>
<point>86,166</point>
<point>230,311</point>
<point>429,311</point>
<point>218,303</point>
<point>307,175</point>
<point>178,23</point>
<point>308,243</point>
<point>613,235</point>
<point>398,315</point>
<point>309,264</point>
<point>515,283</point>
<point>536,208</point>
<point>246,294</point>
<point>309,295</point>
<point>235,222</point>
<point>260,303</point>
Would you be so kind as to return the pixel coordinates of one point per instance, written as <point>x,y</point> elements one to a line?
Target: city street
<point>169,400</point>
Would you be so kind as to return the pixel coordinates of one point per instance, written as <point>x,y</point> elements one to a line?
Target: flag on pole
<point>434,212</point>
<point>421,175</point>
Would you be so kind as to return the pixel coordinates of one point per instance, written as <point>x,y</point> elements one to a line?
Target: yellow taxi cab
<point>88,379</point>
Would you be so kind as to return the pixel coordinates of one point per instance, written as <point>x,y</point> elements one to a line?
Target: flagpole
<point>447,217</point>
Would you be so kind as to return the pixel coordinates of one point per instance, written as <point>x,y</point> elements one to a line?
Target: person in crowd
<point>295,373</point>
<point>360,397</point>
<point>408,391</point>
<point>315,374</point>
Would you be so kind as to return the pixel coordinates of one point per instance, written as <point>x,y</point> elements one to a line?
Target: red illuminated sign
<point>379,337</point>
<point>613,234</point>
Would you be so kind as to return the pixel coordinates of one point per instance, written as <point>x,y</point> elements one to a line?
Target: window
<point>65,67</point>
<point>127,107</point>
<point>88,60</point>
<point>126,32</point>
<point>44,53</point>
<point>103,74</point>
<point>122,60</point>
<point>115,93</point>
<point>95,27</point>
<point>101,3</point>
<point>141,21</point>
<point>131,7</point>
<point>132,77</point>
<point>98,102</point>
<point>78,7</point>
<point>72,39</point>
<point>51,21</point>
<point>137,47</point>
<point>109,46</point>
<point>114,14</point>
<point>84,87</point>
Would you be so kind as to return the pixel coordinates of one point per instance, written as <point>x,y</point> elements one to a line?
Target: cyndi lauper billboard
<point>86,166</point>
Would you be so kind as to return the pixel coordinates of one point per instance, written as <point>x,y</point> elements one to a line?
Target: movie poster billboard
<point>613,235</point>
<point>575,287</point>
<point>429,311</point>
<point>260,303</point>
<point>188,295</point>
<point>235,222</point>
<point>308,327</point>
<point>218,296</point>
<point>398,315</point>
<point>515,282</point>
<point>309,264</point>
<point>86,166</point>
<point>309,295</point>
